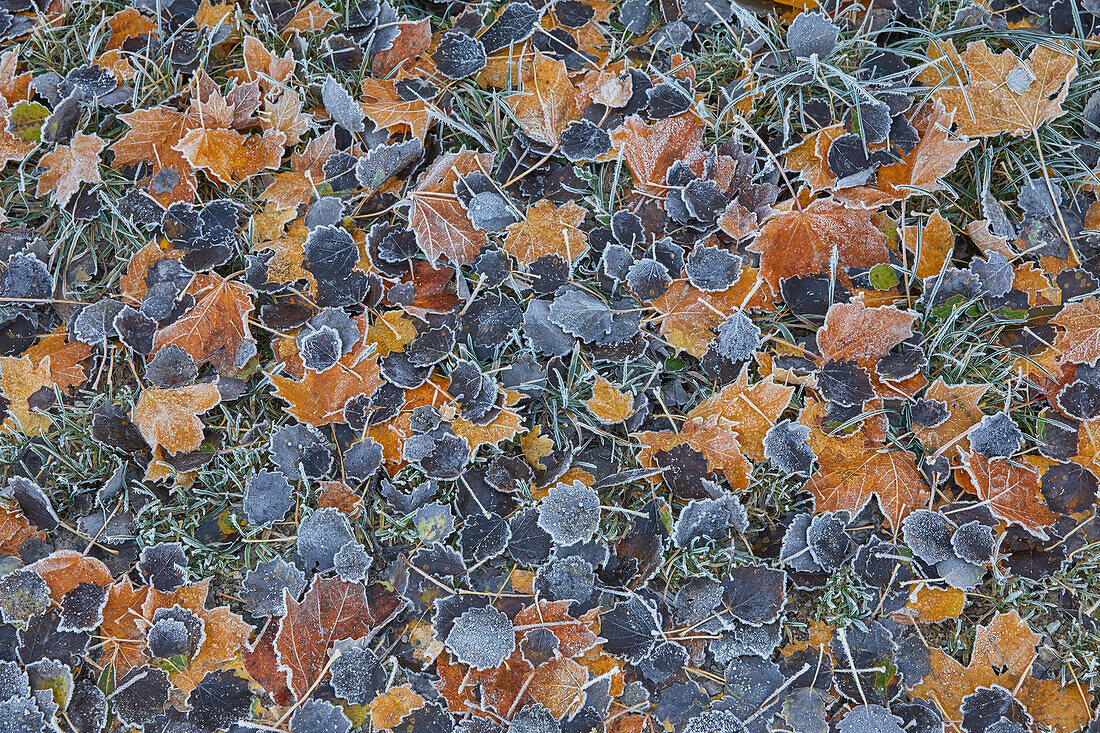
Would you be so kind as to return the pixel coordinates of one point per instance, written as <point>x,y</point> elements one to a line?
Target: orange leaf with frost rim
<point>848,480</point>
<point>1011,491</point>
<point>216,329</point>
<point>168,418</point>
<point>803,241</point>
<point>67,167</point>
<point>318,398</point>
<point>650,150</point>
<point>1003,653</point>
<point>548,102</point>
<point>854,331</point>
<point>547,230</point>
<point>1079,342</point>
<point>436,216</point>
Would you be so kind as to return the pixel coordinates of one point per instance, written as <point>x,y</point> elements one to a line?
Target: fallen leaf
<point>168,418</point>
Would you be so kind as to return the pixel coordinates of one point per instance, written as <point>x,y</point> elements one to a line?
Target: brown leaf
<point>215,329</point>
<point>20,378</point>
<point>803,241</point>
<point>66,358</point>
<point>559,686</point>
<point>440,223</point>
<point>979,86</point>
<point>547,103</point>
<point>394,705</point>
<point>69,166</point>
<point>854,331</point>
<point>751,410</point>
<point>318,398</point>
<point>688,314</point>
<point>413,38</point>
<point>64,570</point>
<point>963,413</point>
<point>650,150</point>
<point>547,230</point>
<point>932,243</point>
<point>230,157</point>
<point>847,481</point>
<point>1011,491</point>
<point>609,404</point>
<point>152,138</point>
<point>168,418</point>
<point>1079,342</point>
<point>384,107</point>
<point>1003,653</point>
<point>330,610</point>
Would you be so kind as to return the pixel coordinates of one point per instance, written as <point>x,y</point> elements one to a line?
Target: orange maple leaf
<point>168,418</point>
<point>650,150</point>
<point>548,102</point>
<point>847,481</point>
<point>69,166</point>
<point>1011,491</point>
<point>547,230</point>
<point>230,157</point>
<point>803,241</point>
<point>1079,342</point>
<point>318,398</point>
<point>20,378</point>
<point>437,218</point>
<point>1003,653</point>
<point>215,329</point>
<point>330,610</point>
<point>854,331</point>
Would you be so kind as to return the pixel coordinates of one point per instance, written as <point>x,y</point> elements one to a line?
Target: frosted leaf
<point>163,565</point>
<point>483,537</point>
<point>490,211</point>
<point>221,700</point>
<point>870,719</point>
<point>135,330</point>
<point>738,337</point>
<point>459,55</point>
<point>320,537</point>
<point>169,636</point>
<point>715,721</point>
<point>95,324</point>
<point>582,140</point>
<point>974,543</point>
<point>481,638</point>
<point>786,445</point>
<point>1035,198</point>
<point>267,498</point>
<point>26,276</point>
<point>515,23</point>
<point>319,348</point>
<point>709,519</point>
<point>33,502</point>
<point>362,459</point>
<point>795,550</point>
<point>648,279</point>
<point>533,718</point>
<point>329,252</point>
<point>804,710</point>
<point>13,681</point>
<point>383,162</point>
<point>812,33</point>
<point>171,367</point>
<point>22,594</point>
<point>356,675</point>
<point>570,513</point>
<point>988,705</point>
<point>929,413</point>
<point>21,715</point>
<point>1004,725</point>
<point>82,607</point>
<point>629,627</point>
<point>871,119</point>
<point>263,586</point>
<point>627,228</point>
<point>928,535</point>
<point>959,573</point>
<point>755,594</point>
<point>828,540</point>
<point>140,696</point>
<point>1080,400</point>
<point>712,269</point>
<point>995,274</point>
<point>301,451</point>
<point>848,161</point>
<point>844,382</point>
<point>564,578</point>
<point>341,107</point>
<point>996,435</point>
<point>635,16</point>
<point>319,716</point>
<point>352,561</point>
